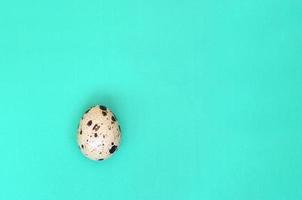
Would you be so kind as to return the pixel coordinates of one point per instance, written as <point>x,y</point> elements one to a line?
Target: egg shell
<point>99,133</point>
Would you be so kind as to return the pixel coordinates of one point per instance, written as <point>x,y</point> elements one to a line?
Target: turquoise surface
<point>208,94</point>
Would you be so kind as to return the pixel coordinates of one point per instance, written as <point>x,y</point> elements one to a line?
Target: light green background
<point>208,94</point>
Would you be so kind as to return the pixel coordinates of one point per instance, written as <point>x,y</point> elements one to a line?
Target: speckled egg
<point>99,133</point>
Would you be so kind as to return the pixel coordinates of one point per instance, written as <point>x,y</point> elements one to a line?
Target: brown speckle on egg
<point>89,123</point>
